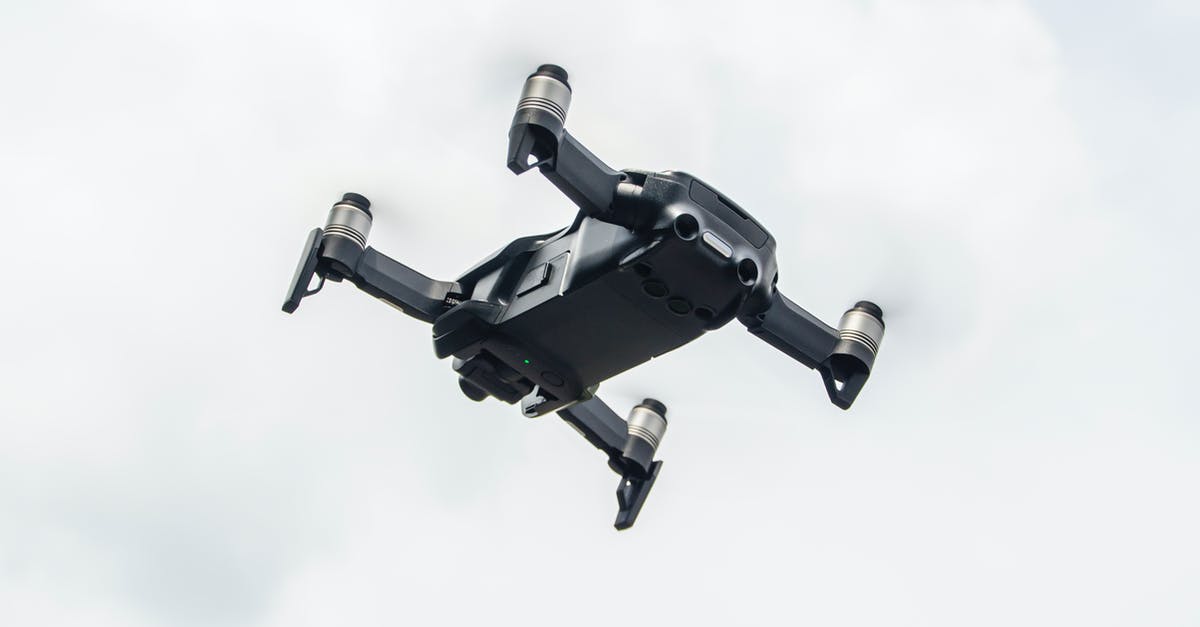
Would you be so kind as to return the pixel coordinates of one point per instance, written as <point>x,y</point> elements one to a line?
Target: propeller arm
<point>600,426</point>
<point>339,251</point>
<point>538,138</point>
<point>843,356</point>
<point>582,177</point>
<point>789,328</point>
<point>630,447</point>
<point>402,287</point>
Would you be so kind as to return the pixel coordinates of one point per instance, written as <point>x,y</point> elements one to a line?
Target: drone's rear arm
<point>797,333</point>
<point>843,356</point>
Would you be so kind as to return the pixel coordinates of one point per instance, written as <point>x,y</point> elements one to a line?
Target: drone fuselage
<point>565,311</point>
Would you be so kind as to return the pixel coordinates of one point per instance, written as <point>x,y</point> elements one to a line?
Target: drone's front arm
<point>339,251</point>
<point>402,287</point>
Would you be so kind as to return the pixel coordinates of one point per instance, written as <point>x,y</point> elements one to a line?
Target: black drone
<point>651,261</point>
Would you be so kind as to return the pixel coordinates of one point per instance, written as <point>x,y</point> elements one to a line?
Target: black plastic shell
<point>606,298</point>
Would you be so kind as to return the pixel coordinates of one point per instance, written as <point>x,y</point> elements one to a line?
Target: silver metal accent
<point>717,244</point>
<point>547,94</point>
<point>862,327</point>
<point>639,251</point>
<point>646,424</point>
<point>346,220</point>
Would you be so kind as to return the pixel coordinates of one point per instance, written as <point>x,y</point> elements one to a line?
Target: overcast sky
<point>1016,182</point>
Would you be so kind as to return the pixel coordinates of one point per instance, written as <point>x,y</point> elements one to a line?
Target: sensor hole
<point>686,227</point>
<point>654,289</point>
<point>747,271</point>
<point>679,306</point>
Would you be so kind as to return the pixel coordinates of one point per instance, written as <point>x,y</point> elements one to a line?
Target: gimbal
<point>651,261</point>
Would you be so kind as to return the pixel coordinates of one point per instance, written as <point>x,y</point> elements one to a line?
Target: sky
<point>1013,182</point>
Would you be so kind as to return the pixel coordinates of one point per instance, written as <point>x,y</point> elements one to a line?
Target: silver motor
<point>548,91</point>
<point>647,424</point>
<point>346,232</point>
<point>863,324</point>
<point>540,119</point>
<point>848,366</point>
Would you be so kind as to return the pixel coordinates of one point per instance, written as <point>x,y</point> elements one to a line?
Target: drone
<point>652,261</point>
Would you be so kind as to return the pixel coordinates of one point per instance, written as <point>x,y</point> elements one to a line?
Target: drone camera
<point>346,232</point>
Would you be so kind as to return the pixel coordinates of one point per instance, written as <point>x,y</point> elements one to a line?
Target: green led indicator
<point>526,361</point>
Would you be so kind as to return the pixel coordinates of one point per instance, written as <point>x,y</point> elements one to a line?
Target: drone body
<point>651,262</point>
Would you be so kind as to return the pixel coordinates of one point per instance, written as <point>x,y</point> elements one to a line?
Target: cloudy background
<point>1018,180</point>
